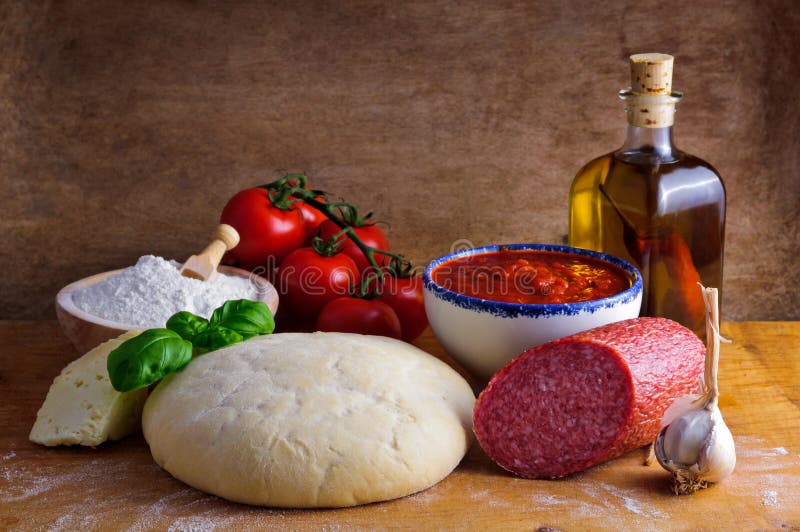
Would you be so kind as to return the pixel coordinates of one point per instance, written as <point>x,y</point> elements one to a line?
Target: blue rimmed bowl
<point>484,335</point>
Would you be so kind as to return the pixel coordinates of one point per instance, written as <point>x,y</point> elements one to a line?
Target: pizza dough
<point>311,420</point>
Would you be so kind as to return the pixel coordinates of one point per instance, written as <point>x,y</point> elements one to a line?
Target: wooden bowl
<point>85,331</point>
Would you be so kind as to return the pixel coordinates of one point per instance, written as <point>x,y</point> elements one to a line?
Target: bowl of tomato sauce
<point>487,305</point>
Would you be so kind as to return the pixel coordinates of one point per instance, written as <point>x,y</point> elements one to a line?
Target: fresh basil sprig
<point>186,324</point>
<point>233,322</point>
<point>216,338</point>
<point>146,358</point>
<point>248,318</point>
<point>155,353</point>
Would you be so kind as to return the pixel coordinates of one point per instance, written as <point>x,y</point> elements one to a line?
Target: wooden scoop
<point>204,265</point>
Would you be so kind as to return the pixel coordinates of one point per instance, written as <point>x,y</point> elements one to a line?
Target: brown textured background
<point>125,126</point>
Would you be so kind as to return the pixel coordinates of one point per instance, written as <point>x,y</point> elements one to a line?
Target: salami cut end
<point>567,405</point>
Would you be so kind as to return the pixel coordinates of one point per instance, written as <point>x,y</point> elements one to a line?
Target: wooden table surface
<point>118,486</point>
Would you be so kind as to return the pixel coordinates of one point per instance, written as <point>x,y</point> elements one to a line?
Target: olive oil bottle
<point>653,204</point>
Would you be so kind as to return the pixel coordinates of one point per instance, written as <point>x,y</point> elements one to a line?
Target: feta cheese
<point>82,408</point>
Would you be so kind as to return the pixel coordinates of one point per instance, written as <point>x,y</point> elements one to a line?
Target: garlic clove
<point>718,458</point>
<point>685,439</point>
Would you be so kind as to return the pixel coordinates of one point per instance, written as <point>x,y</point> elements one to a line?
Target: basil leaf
<point>248,318</point>
<point>216,338</point>
<point>155,353</point>
<point>146,358</point>
<point>187,324</point>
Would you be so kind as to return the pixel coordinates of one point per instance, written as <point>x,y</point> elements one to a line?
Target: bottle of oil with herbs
<point>652,204</point>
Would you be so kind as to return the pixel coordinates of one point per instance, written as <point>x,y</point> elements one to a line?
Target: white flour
<point>769,498</point>
<point>147,294</point>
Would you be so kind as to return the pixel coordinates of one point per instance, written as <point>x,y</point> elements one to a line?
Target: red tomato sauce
<point>531,276</point>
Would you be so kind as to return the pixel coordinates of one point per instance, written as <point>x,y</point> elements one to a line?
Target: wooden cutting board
<point>118,486</point>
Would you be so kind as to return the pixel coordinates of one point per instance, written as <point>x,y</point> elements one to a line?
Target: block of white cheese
<point>311,420</point>
<point>82,408</point>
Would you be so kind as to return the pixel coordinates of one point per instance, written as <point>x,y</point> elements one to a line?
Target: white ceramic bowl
<point>85,331</point>
<point>484,335</point>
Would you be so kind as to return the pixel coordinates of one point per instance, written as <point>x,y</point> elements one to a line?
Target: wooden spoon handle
<point>228,235</point>
<point>203,266</point>
<point>225,237</point>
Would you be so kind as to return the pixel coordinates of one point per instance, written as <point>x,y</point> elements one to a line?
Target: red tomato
<point>370,235</point>
<point>312,219</point>
<point>308,281</point>
<point>362,316</point>
<point>266,233</point>
<point>404,295</point>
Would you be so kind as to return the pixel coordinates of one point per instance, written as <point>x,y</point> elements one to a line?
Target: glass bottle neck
<point>649,136</point>
<point>648,145</point>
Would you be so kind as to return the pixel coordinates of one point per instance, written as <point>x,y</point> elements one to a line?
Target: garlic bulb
<point>694,443</point>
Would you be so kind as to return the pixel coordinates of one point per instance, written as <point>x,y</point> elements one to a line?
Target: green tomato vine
<point>293,188</point>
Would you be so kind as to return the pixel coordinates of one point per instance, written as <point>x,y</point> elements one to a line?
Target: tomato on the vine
<point>308,281</point>
<point>276,220</point>
<point>362,316</point>
<point>311,217</point>
<point>370,234</point>
<point>404,295</point>
<point>266,233</point>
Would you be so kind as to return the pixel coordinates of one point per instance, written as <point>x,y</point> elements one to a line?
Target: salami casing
<point>567,405</point>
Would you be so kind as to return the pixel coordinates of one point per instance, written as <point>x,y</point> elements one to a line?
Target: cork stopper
<point>650,102</point>
<point>651,73</point>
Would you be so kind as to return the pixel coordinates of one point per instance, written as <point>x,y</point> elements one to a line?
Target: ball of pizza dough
<point>306,420</point>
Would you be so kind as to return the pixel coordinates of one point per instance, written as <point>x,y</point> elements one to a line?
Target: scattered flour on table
<point>744,450</point>
<point>634,505</point>
<point>475,495</point>
<point>577,508</point>
<point>764,472</point>
<point>425,496</point>
<point>78,496</point>
<point>191,524</point>
<point>486,497</point>
<point>769,498</point>
<point>147,294</point>
<point>627,498</point>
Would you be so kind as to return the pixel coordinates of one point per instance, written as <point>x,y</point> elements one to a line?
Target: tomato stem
<point>326,248</point>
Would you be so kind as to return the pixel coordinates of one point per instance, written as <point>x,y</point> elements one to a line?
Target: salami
<point>572,403</point>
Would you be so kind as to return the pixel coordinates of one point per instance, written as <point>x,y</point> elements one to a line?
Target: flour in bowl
<point>147,294</point>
